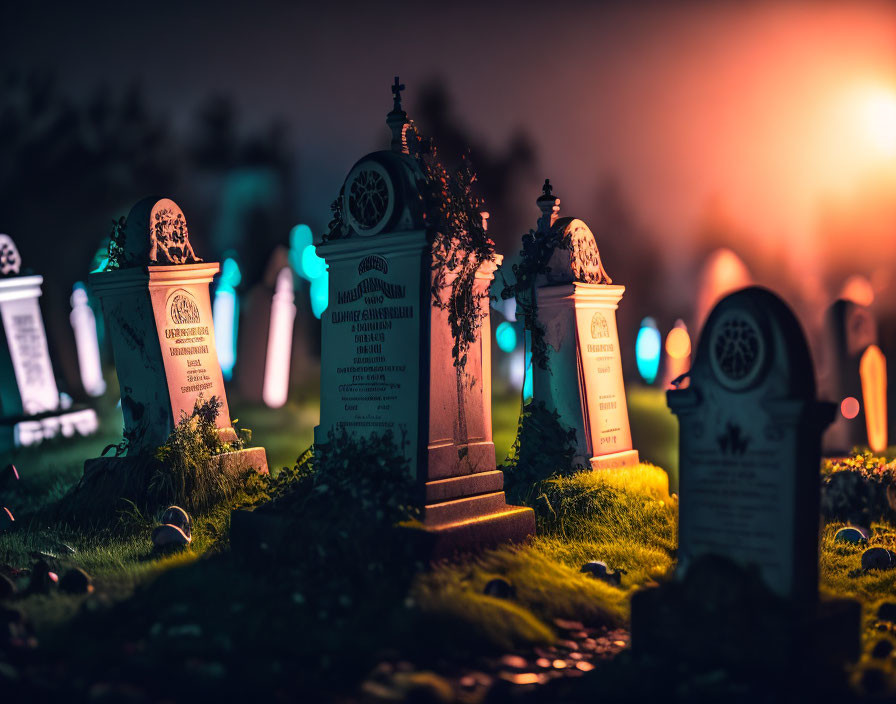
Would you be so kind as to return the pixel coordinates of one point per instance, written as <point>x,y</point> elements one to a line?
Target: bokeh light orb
<point>858,289</point>
<point>678,343</point>
<point>849,407</point>
<point>313,266</point>
<point>647,350</point>
<point>505,336</point>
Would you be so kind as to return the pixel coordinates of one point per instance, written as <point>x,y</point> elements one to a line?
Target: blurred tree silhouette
<point>502,176</point>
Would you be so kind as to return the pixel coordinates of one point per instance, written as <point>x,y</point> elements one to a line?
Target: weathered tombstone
<point>850,331</point>
<point>386,354</point>
<point>750,438</point>
<point>159,319</point>
<point>30,406</point>
<point>577,367</point>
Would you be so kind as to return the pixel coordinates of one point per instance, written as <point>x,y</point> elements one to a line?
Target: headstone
<point>750,438</point>
<point>386,356</point>
<point>851,331</point>
<point>159,319</point>
<point>575,302</point>
<point>30,405</point>
<point>84,326</point>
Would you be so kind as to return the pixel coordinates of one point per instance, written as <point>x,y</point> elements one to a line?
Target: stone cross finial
<point>549,205</point>
<point>396,94</point>
<point>397,120</point>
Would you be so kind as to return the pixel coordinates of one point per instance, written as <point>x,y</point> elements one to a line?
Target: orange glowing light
<point>873,371</point>
<point>849,407</point>
<point>678,343</point>
<point>858,289</point>
<point>879,119</point>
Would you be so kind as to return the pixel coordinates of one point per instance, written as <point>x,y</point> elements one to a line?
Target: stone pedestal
<point>583,379</point>
<point>30,409</point>
<point>159,319</point>
<point>387,365</point>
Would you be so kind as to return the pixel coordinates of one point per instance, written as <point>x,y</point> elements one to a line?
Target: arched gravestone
<point>158,316</point>
<point>581,376</point>
<point>745,593</point>
<point>30,408</point>
<point>750,434</point>
<point>386,352</point>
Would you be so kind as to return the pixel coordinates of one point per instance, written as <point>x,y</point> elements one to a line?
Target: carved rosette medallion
<point>369,198</point>
<point>737,350</point>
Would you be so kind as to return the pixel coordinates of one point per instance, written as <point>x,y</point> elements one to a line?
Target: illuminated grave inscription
<point>158,315</point>
<point>580,373</point>
<point>386,351</point>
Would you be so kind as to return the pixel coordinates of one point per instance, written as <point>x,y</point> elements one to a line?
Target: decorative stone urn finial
<point>397,120</point>
<point>549,205</point>
<point>10,261</point>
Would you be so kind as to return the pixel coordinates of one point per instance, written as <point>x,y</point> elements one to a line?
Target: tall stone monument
<point>159,319</point>
<point>750,449</point>
<point>577,370</point>
<point>30,405</point>
<point>387,349</point>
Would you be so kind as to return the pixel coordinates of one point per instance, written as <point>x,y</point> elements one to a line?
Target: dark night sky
<point>684,104</point>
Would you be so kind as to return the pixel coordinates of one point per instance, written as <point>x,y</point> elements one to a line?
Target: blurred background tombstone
<point>850,332</point>
<point>31,409</point>
<point>83,323</point>
<point>750,438</point>
<point>575,305</point>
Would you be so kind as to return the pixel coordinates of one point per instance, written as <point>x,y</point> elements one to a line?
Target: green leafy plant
<point>116,254</point>
<point>543,449</point>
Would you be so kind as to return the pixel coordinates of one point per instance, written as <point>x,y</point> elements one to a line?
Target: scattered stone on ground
<point>176,516</point>
<point>882,649</point>
<point>514,674</point>
<point>887,611</point>
<point>599,570</point>
<point>42,578</point>
<point>76,581</point>
<point>500,588</point>
<point>166,536</point>
<point>852,534</point>
<point>878,559</point>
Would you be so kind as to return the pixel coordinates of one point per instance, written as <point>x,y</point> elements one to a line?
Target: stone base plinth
<point>627,458</point>
<point>25,431</point>
<point>511,524</point>
<point>722,616</point>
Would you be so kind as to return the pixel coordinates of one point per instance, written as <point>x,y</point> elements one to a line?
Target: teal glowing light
<point>505,336</point>
<point>320,294</point>
<point>299,238</point>
<point>647,350</point>
<point>313,267</point>
<point>225,313</point>
<point>527,379</point>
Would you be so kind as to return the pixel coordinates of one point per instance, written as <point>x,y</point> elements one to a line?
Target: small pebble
<point>500,588</point>
<point>887,611</point>
<point>882,649</point>
<point>878,559</point>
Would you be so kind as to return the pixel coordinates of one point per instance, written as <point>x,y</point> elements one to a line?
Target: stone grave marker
<point>575,302</point>
<point>850,330</point>
<point>386,351</point>
<point>159,319</point>
<point>750,439</point>
<point>30,406</point>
